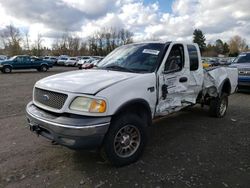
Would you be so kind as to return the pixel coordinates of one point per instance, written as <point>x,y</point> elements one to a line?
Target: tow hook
<point>35,128</point>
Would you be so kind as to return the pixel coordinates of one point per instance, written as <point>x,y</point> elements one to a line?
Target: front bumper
<point>244,82</point>
<point>73,131</point>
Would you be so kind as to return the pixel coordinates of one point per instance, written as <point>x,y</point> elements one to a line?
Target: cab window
<point>175,61</point>
<point>193,57</point>
<point>19,59</point>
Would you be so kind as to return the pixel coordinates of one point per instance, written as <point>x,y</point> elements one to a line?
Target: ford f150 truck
<point>111,106</point>
<point>242,62</point>
<point>24,62</point>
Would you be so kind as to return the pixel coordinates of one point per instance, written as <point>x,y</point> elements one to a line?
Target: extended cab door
<point>19,62</point>
<point>180,78</point>
<point>27,63</point>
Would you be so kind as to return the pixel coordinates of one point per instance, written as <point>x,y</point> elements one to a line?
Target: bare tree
<point>237,45</point>
<point>37,48</point>
<point>27,41</point>
<point>11,40</point>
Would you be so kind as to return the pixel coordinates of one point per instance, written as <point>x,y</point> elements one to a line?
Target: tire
<point>7,69</point>
<point>43,68</point>
<point>218,106</point>
<point>125,141</point>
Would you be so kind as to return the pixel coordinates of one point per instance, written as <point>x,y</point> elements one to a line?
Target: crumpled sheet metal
<point>205,81</point>
<point>179,95</point>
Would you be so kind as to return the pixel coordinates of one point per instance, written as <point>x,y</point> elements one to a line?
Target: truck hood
<point>2,62</point>
<point>84,81</point>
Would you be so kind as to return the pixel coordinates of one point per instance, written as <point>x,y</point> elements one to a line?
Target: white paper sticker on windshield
<point>242,55</point>
<point>149,51</point>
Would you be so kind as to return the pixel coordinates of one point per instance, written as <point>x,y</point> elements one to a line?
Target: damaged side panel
<point>214,79</point>
<point>179,94</point>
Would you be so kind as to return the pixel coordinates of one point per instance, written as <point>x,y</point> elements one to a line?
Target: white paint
<point>118,88</point>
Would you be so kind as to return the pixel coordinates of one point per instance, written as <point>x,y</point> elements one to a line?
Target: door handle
<point>183,79</point>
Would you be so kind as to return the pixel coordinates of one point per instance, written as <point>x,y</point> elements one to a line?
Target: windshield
<point>133,58</point>
<point>242,58</point>
<point>12,58</point>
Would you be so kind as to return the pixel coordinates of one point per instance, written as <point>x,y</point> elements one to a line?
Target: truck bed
<point>215,77</point>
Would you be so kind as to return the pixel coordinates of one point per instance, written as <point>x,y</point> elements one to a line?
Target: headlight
<point>85,104</point>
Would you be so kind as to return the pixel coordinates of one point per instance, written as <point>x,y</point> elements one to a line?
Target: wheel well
<point>7,66</point>
<point>226,87</point>
<point>139,107</point>
<point>44,65</point>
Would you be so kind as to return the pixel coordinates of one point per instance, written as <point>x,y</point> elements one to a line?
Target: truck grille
<point>244,71</point>
<point>50,98</point>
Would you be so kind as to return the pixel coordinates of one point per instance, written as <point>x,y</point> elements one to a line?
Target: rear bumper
<point>73,131</point>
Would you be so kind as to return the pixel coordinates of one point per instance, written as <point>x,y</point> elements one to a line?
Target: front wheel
<point>7,69</point>
<point>218,106</point>
<point>125,141</point>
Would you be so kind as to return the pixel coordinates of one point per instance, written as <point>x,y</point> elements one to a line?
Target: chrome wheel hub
<point>127,141</point>
<point>223,106</point>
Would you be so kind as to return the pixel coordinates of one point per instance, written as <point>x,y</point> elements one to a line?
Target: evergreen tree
<point>199,38</point>
<point>225,48</point>
<point>219,46</point>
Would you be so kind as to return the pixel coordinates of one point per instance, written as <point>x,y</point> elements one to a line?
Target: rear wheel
<point>218,106</point>
<point>125,141</point>
<point>43,68</point>
<point>7,69</point>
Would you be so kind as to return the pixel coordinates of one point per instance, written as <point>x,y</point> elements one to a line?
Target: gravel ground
<point>187,149</point>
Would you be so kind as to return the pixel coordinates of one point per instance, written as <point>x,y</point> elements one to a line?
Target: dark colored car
<point>242,62</point>
<point>25,62</point>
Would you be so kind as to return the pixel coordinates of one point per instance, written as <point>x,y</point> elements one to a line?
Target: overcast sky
<point>163,19</point>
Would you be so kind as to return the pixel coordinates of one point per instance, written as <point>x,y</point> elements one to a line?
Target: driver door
<point>173,77</point>
<point>19,63</point>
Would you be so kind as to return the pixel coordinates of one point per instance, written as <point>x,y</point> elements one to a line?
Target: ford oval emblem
<point>45,97</point>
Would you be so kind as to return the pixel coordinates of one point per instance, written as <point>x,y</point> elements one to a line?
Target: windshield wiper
<point>117,67</point>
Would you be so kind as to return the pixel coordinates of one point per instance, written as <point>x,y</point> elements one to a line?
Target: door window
<point>19,59</point>
<point>175,61</point>
<point>193,57</point>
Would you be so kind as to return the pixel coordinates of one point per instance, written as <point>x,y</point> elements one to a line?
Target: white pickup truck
<point>110,107</point>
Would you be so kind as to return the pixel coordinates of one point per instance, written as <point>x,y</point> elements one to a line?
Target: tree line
<point>13,42</point>
<point>233,47</point>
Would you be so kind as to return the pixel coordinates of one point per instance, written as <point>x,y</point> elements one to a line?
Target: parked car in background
<point>62,60</point>
<point>213,62</point>
<point>52,59</point>
<point>91,64</point>
<point>83,60</point>
<point>25,62</point>
<point>3,58</point>
<point>72,61</point>
<point>242,62</point>
<point>205,63</point>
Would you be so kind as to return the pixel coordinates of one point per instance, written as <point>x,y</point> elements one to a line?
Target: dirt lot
<point>188,149</point>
